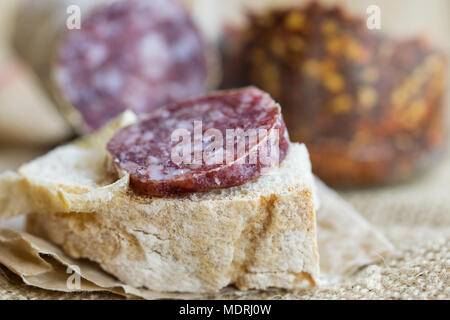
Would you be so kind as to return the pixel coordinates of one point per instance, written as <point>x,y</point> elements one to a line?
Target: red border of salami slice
<point>145,149</point>
<point>135,54</point>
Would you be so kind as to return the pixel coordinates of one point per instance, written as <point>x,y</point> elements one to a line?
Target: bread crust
<point>191,246</point>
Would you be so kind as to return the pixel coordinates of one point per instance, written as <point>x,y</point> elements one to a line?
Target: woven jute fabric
<point>415,216</point>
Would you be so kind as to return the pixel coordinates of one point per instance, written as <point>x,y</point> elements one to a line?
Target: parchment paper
<point>347,242</point>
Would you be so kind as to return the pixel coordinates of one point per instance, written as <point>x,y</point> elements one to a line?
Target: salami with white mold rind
<point>144,150</point>
<point>128,54</point>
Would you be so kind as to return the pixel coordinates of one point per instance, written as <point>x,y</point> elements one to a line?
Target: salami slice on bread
<point>228,135</point>
<point>258,235</point>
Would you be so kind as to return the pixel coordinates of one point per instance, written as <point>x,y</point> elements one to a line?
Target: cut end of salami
<point>134,54</point>
<point>216,141</point>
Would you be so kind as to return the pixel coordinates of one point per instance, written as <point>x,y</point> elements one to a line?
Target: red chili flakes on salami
<point>213,135</point>
<point>135,54</point>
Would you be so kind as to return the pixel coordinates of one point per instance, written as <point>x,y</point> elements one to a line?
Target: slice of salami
<point>134,54</point>
<point>217,141</point>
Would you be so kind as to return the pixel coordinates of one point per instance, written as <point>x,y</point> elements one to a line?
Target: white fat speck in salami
<point>146,149</point>
<point>130,54</point>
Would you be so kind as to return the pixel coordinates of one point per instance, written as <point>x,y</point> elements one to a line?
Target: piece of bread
<point>255,236</point>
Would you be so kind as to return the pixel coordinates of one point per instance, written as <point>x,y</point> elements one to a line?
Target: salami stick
<point>128,54</point>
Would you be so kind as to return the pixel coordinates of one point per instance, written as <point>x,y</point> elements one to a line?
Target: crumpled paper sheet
<point>346,241</point>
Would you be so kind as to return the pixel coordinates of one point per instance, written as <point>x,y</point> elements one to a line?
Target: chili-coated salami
<point>369,106</point>
<point>217,141</point>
